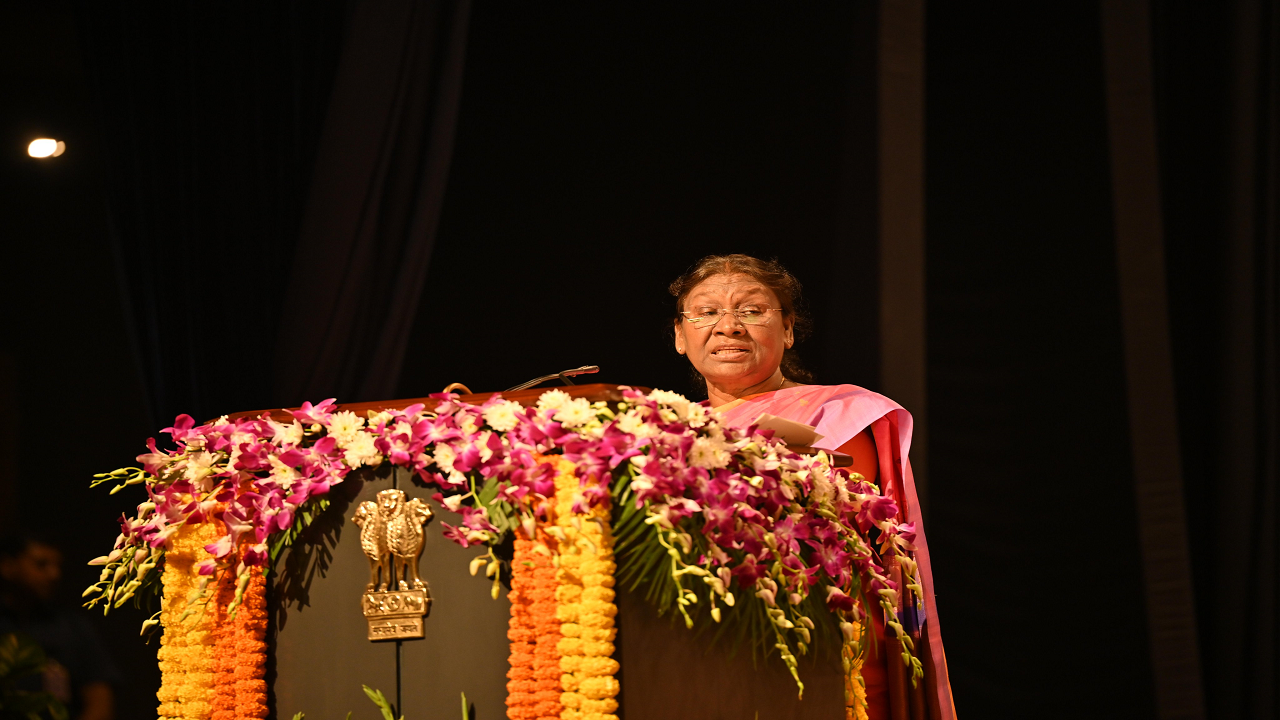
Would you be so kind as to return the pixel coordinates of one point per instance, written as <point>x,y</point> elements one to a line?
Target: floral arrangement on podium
<point>715,522</point>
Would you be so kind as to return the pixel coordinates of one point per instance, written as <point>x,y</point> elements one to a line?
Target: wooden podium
<point>321,654</point>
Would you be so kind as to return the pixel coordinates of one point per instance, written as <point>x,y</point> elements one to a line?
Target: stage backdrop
<point>599,152</point>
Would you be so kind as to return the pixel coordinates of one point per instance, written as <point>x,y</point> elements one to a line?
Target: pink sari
<point>840,412</point>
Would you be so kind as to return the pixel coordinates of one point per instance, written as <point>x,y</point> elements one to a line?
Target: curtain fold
<point>366,238</point>
<point>1245,617</point>
<point>275,173</point>
<point>208,116</point>
<point>1218,82</point>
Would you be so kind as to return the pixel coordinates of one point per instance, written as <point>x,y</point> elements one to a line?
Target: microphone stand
<point>564,376</point>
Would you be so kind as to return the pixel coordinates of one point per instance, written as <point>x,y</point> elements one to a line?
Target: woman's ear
<point>679,337</point>
<point>788,334</point>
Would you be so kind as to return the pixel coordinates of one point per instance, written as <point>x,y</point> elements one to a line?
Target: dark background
<point>599,151</point>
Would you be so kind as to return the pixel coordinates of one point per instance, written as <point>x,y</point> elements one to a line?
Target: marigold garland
<point>534,631</point>
<point>213,666</point>
<point>520,632</point>
<point>224,690</point>
<point>187,646</point>
<point>546,656</point>
<point>250,633</point>
<point>586,604</point>
<point>855,689</point>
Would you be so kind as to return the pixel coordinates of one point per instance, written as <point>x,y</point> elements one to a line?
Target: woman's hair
<point>769,273</point>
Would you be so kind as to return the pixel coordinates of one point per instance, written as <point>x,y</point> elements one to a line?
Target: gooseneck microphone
<point>564,376</point>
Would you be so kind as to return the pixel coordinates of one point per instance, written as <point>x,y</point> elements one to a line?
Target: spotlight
<point>46,147</point>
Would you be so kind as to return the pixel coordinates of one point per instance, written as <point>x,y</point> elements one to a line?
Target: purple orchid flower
<point>318,414</point>
<point>182,428</point>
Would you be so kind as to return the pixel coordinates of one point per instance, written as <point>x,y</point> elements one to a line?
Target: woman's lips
<point>729,353</point>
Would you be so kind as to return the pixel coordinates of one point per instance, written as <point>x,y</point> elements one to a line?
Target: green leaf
<point>488,492</point>
<point>381,701</point>
<point>19,656</point>
<point>498,517</point>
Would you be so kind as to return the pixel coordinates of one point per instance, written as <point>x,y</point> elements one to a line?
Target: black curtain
<point>603,150</point>
<point>274,175</point>
<point>273,245</point>
<point>1027,412</point>
<point>1217,74</point>
<point>209,116</point>
<point>374,204</point>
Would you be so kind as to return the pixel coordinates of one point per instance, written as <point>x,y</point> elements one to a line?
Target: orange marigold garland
<point>542,610</point>
<point>520,632</point>
<point>251,647</point>
<point>534,631</point>
<point>224,660</point>
<point>586,606</point>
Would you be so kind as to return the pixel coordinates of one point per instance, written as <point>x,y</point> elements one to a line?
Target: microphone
<point>564,376</point>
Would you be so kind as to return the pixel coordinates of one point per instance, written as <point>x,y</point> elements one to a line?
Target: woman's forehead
<point>735,286</point>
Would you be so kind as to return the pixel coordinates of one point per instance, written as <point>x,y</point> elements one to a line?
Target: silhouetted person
<point>79,673</point>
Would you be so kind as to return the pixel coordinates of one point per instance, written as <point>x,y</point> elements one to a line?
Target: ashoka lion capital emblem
<point>391,536</point>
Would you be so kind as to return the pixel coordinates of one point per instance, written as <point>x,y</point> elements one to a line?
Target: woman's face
<point>731,354</point>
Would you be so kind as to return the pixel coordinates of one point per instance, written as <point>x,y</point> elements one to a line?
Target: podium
<point>321,655</point>
<point>343,601</point>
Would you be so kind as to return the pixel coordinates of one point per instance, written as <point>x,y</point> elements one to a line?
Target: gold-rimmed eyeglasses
<point>709,317</point>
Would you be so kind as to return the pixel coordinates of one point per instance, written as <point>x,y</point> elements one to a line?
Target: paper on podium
<point>789,431</point>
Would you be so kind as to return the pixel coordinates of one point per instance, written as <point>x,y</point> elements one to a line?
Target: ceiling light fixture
<point>46,147</point>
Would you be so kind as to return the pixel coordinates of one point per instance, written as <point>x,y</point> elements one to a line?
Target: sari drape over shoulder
<point>841,412</point>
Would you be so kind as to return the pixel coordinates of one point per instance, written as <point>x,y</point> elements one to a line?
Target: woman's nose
<point>729,324</point>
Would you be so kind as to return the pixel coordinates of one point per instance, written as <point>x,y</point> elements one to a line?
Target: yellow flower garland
<point>186,655</point>
<point>212,666</point>
<point>586,606</point>
<point>855,690</point>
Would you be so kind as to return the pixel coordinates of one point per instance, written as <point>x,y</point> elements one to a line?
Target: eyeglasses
<point>710,317</point>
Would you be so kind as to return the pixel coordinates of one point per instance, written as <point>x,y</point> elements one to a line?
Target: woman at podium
<point>737,319</point>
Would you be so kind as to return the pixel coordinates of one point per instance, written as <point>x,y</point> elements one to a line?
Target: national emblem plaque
<point>391,535</point>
